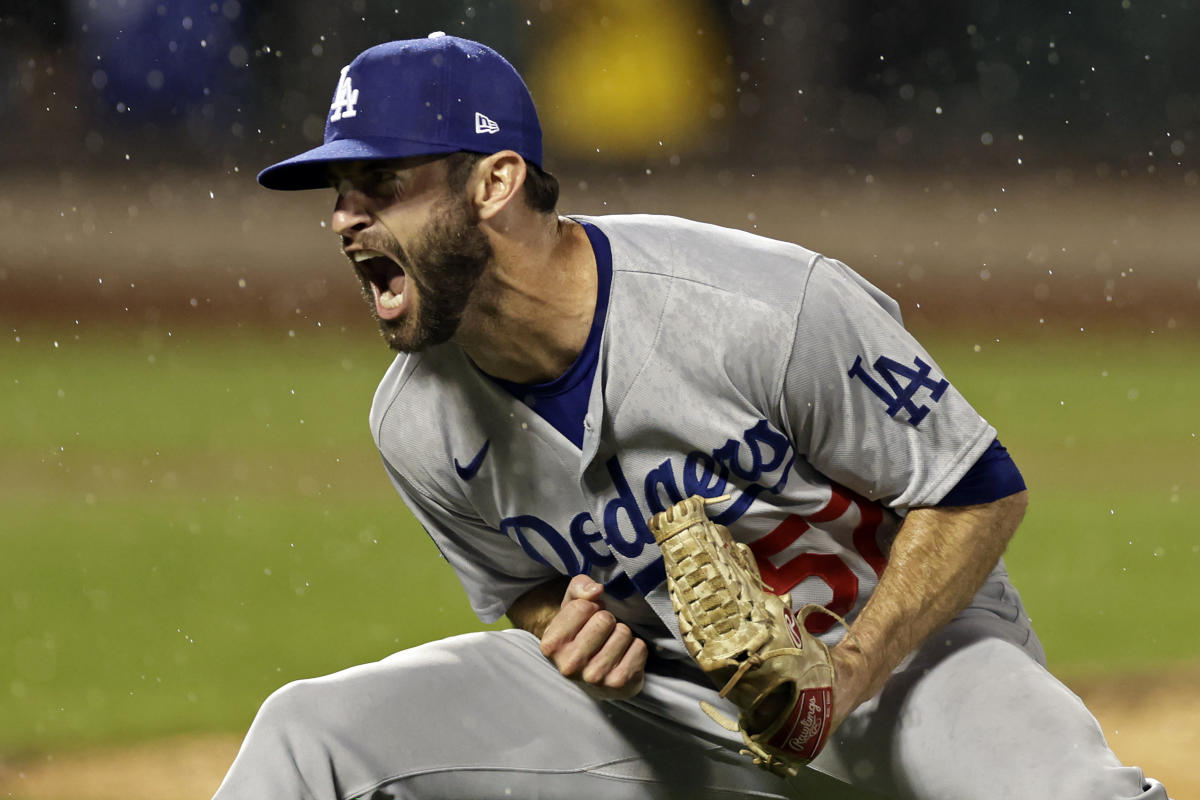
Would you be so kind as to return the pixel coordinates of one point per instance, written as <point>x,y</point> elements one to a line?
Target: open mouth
<point>387,280</point>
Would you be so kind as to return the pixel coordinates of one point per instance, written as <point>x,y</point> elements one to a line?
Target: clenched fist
<point>590,646</point>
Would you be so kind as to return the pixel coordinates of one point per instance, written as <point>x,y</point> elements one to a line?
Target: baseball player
<point>563,380</point>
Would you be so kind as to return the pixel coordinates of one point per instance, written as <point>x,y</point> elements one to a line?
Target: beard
<point>449,255</point>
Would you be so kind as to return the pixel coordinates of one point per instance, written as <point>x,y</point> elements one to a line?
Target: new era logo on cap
<point>485,125</point>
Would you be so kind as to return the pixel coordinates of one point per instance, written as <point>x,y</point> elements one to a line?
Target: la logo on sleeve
<point>900,398</point>
<point>345,98</point>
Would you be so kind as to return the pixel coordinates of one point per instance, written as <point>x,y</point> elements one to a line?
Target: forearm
<point>534,610</point>
<point>940,558</point>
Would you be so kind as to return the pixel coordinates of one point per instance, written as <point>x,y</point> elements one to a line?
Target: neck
<point>532,312</point>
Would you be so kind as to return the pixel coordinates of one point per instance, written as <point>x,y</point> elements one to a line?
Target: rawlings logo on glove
<point>746,639</point>
<point>810,730</point>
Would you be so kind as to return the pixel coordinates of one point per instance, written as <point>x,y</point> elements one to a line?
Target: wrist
<point>854,677</point>
<point>850,665</point>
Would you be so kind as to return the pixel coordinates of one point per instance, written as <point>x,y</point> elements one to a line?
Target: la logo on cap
<point>344,98</point>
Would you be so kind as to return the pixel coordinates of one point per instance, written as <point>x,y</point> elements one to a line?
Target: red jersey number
<point>830,569</point>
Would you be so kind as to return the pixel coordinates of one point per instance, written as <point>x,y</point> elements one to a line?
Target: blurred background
<point>192,510</point>
<point>1107,87</point>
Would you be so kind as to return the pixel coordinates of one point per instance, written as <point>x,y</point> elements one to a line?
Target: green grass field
<point>192,519</point>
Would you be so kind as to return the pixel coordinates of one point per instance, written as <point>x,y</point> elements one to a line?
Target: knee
<point>283,737</point>
<point>289,710</point>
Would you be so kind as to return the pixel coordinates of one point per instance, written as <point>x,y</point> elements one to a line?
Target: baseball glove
<point>746,639</point>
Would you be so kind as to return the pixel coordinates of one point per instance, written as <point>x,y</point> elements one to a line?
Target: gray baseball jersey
<point>729,364</point>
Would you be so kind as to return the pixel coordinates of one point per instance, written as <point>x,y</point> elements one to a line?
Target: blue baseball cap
<point>418,97</point>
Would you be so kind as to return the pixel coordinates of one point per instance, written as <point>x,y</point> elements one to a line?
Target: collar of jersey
<point>584,365</point>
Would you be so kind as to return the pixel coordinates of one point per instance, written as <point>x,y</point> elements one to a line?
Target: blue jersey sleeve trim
<point>994,476</point>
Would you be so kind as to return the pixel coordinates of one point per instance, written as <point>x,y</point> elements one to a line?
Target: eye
<point>381,182</point>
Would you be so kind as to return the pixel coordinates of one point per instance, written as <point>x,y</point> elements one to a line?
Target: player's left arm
<point>870,409</point>
<point>939,560</point>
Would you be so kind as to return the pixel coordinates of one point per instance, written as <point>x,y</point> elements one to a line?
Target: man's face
<point>416,246</point>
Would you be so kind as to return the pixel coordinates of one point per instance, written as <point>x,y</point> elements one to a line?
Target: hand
<point>589,646</point>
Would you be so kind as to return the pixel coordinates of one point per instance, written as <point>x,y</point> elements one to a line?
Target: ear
<point>495,182</point>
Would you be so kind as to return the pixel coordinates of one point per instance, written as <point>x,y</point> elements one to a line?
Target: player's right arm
<point>584,641</point>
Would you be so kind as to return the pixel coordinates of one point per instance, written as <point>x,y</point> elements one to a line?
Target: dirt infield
<point>1154,722</point>
<point>1151,722</point>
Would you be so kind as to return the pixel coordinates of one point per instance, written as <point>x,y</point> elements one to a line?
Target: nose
<point>350,212</point>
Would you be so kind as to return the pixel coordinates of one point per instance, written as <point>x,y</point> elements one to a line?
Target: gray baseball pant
<point>972,715</point>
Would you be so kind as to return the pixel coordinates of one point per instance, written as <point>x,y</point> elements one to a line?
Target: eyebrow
<point>350,170</point>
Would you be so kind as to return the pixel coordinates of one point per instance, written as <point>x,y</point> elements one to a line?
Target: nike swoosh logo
<point>470,470</point>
